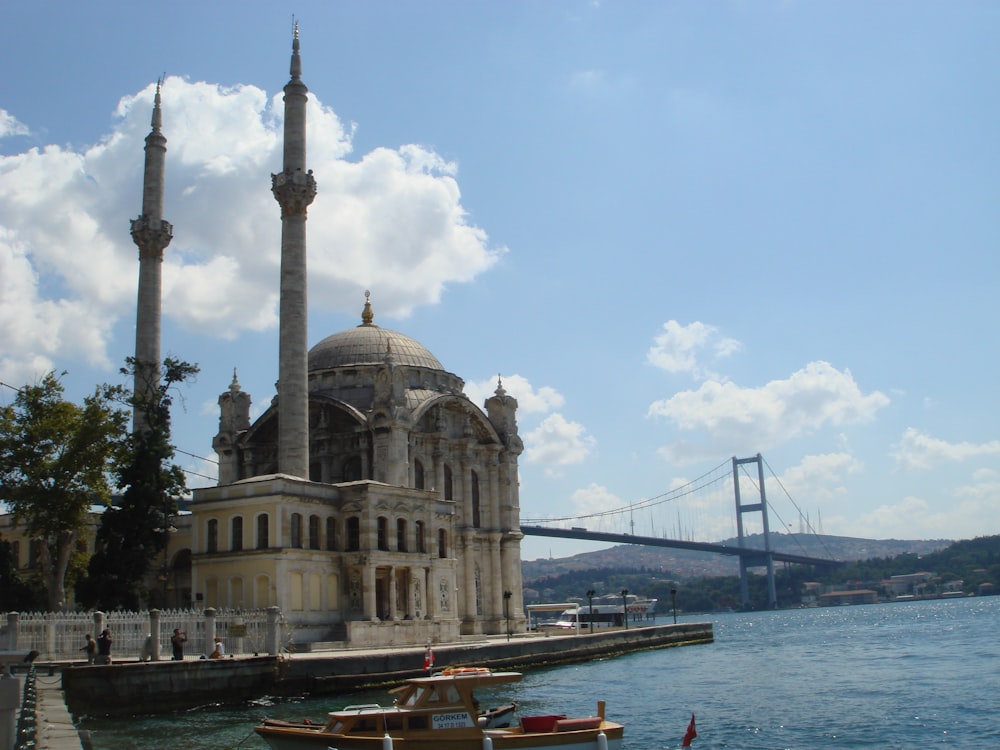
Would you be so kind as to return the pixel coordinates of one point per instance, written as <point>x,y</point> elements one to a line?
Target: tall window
<point>236,534</point>
<point>475,500</point>
<point>263,542</point>
<point>419,531</point>
<point>383,533</point>
<point>442,543</point>
<point>331,533</point>
<point>401,534</point>
<point>15,551</point>
<point>418,475</point>
<point>353,532</point>
<point>297,530</point>
<point>448,488</point>
<point>313,532</point>
<point>212,541</point>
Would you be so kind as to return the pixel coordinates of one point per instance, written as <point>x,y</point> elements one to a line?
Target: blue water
<point>889,676</point>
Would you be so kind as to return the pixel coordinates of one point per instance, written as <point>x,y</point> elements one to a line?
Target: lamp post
<point>506,610</point>
<point>625,607</point>
<point>590,607</point>
<point>673,603</point>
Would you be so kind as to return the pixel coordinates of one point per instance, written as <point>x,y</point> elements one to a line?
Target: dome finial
<point>367,316</point>
<point>500,391</point>
<point>234,387</point>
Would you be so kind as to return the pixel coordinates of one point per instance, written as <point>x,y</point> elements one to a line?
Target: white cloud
<point>594,499</point>
<point>917,450</point>
<point>679,348</point>
<point>733,419</point>
<point>529,399</point>
<point>557,443</point>
<point>391,221</point>
<point>9,125</point>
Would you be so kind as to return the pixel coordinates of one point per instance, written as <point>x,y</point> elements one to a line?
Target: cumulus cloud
<point>727,417</point>
<point>557,443</point>
<point>679,348</point>
<point>918,450</point>
<point>390,220</point>
<point>530,400</point>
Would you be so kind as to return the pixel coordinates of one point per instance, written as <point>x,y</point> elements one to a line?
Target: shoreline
<point>164,686</point>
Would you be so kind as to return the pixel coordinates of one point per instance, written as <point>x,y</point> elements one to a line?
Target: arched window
<point>296,530</point>
<point>401,534</point>
<point>353,534</point>
<point>475,500</point>
<point>331,533</point>
<point>236,534</point>
<point>442,543</point>
<point>212,537</point>
<point>263,542</point>
<point>383,533</point>
<point>419,532</point>
<point>313,532</point>
<point>448,484</point>
<point>418,475</point>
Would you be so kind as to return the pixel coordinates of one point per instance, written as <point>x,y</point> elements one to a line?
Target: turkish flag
<point>690,734</point>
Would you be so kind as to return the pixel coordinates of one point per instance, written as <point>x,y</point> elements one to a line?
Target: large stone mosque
<point>372,502</point>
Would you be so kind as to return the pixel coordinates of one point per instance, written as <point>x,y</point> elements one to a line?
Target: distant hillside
<point>682,564</point>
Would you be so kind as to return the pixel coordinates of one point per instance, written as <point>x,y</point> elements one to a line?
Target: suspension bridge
<point>700,498</point>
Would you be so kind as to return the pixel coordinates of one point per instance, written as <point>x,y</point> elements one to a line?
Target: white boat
<point>441,712</point>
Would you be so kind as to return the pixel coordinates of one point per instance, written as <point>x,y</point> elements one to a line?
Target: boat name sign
<point>453,720</point>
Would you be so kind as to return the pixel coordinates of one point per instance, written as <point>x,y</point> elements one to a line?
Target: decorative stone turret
<point>234,420</point>
<point>152,235</point>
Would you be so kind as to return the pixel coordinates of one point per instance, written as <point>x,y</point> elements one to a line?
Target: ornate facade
<point>372,502</point>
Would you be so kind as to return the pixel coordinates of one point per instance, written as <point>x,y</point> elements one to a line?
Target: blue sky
<point>679,231</point>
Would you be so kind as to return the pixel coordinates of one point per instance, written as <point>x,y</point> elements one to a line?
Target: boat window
<point>393,723</point>
<point>414,698</point>
<point>418,722</point>
<point>452,696</point>
<point>364,724</point>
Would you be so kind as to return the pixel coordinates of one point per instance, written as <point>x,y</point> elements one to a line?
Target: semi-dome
<point>368,344</point>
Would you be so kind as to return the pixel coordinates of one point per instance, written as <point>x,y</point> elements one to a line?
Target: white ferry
<point>607,611</point>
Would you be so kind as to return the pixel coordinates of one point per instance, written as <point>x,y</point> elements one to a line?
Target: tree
<point>55,463</point>
<point>133,533</point>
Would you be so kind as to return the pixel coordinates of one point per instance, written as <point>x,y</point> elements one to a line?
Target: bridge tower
<point>767,556</point>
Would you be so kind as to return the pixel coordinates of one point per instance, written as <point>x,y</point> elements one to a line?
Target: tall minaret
<point>152,235</point>
<point>294,188</point>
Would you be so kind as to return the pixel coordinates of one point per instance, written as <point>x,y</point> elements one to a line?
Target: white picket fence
<point>61,636</point>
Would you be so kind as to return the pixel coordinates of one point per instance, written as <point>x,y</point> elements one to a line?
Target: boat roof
<point>473,675</point>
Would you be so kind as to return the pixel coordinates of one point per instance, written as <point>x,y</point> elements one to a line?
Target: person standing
<point>104,647</point>
<point>177,641</point>
<point>91,648</point>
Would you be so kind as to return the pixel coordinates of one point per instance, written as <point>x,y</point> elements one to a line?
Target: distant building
<point>855,596</point>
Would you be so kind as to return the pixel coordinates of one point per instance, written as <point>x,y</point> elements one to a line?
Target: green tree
<point>133,533</point>
<point>56,459</point>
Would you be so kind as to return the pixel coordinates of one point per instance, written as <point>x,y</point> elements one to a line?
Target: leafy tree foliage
<point>133,533</point>
<point>18,592</point>
<point>55,462</point>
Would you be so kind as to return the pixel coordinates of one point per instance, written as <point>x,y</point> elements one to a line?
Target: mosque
<point>372,502</point>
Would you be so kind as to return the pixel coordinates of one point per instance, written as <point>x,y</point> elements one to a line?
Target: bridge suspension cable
<point>684,490</point>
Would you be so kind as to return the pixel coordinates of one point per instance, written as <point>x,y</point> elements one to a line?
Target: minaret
<point>152,235</point>
<point>294,188</point>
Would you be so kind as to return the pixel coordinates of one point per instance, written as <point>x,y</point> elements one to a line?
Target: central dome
<point>368,345</point>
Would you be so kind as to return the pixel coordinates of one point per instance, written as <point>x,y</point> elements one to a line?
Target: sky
<point>678,231</point>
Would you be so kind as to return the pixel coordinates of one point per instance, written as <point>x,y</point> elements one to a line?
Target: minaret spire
<point>294,188</point>
<point>152,235</point>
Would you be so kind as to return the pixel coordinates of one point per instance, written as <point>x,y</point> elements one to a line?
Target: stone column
<point>273,636</point>
<point>209,630</point>
<point>154,634</point>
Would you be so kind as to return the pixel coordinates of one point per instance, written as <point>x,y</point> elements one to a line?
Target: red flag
<point>428,659</point>
<point>690,734</point>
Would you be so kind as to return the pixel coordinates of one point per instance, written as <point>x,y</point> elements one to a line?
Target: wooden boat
<point>441,712</point>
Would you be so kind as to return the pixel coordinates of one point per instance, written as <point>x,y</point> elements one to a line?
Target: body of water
<point>889,676</point>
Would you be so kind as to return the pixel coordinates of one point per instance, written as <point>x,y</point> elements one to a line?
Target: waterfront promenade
<point>148,687</point>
